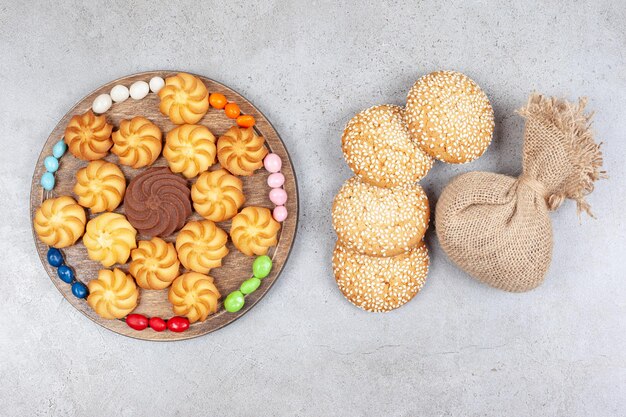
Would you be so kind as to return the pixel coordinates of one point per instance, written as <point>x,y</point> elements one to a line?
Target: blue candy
<point>47,181</point>
<point>66,274</point>
<point>79,290</point>
<point>55,257</point>
<point>51,163</point>
<point>59,149</point>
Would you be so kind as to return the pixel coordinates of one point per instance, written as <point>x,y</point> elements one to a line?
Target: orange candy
<point>232,110</point>
<point>217,100</point>
<point>246,120</point>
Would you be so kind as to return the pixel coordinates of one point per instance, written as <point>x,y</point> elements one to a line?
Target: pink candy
<point>278,196</point>
<point>272,163</point>
<point>280,213</point>
<point>276,180</point>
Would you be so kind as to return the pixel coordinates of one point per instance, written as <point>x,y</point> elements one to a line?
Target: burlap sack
<point>497,228</point>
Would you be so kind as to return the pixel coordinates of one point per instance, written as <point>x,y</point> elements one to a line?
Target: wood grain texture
<point>236,266</point>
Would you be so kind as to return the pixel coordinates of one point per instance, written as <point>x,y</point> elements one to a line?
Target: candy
<point>65,273</point>
<point>51,163</point>
<point>156,84</point>
<point>139,90</point>
<point>157,324</point>
<point>279,213</point>
<point>232,110</point>
<point>234,302</point>
<point>47,181</point>
<point>120,93</point>
<point>137,321</point>
<point>217,100</point>
<point>278,196</point>
<point>250,285</point>
<point>276,180</point>
<point>59,149</point>
<point>178,324</point>
<point>262,266</point>
<point>55,258</point>
<point>272,162</point>
<point>79,290</point>
<point>102,103</point>
<point>246,120</point>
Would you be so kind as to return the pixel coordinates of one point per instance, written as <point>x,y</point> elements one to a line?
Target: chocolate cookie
<point>157,202</point>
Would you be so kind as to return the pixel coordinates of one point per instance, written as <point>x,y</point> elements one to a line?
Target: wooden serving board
<point>236,267</point>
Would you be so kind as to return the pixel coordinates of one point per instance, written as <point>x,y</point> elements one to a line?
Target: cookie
<point>241,151</point>
<point>217,195</point>
<point>113,295</point>
<point>109,238</point>
<point>154,264</point>
<point>201,246</point>
<point>157,202</point>
<point>376,283</point>
<point>189,149</point>
<point>194,296</point>
<point>184,99</point>
<point>380,221</point>
<point>254,230</point>
<point>88,136</point>
<point>59,222</point>
<point>137,142</point>
<point>100,186</point>
<point>449,117</point>
<point>377,146</point>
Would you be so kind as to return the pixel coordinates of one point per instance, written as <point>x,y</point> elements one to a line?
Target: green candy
<point>262,266</point>
<point>250,285</point>
<point>234,302</point>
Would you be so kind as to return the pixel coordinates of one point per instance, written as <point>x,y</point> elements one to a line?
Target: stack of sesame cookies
<point>380,261</point>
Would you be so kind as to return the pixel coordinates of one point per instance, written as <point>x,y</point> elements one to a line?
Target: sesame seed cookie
<point>377,146</point>
<point>380,221</point>
<point>380,284</point>
<point>449,117</point>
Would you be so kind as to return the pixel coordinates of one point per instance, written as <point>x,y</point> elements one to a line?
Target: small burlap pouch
<point>497,228</point>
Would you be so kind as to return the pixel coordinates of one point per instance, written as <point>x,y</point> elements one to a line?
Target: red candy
<point>157,324</point>
<point>137,321</point>
<point>178,324</point>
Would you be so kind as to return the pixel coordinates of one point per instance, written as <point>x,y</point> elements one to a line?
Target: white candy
<point>119,93</point>
<point>139,90</point>
<point>156,84</point>
<point>102,103</point>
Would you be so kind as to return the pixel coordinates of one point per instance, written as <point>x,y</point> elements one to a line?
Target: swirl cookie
<point>449,117</point>
<point>380,221</point>
<point>378,148</point>
<point>154,264</point>
<point>137,142</point>
<point>201,246</point>
<point>254,231</point>
<point>241,151</point>
<point>100,186</point>
<point>88,136</point>
<point>194,295</point>
<point>109,239</point>
<point>190,149</point>
<point>157,202</point>
<point>184,99</point>
<point>113,295</point>
<point>217,195</point>
<point>376,283</point>
<point>59,222</point>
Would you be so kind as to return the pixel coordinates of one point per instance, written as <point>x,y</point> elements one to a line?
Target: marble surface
<point>459,348</point>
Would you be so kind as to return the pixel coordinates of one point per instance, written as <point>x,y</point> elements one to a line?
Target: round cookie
<point>241,151</point>
<point>377,146</point>
<point>113,295</point>
<point>184,99</point>
<point>201,246</point>
<point>189,149</point>
<point>449,117</point>
<point>194,296</point>
<point>88,137</point>
<point>380,221</point>
<point>380,284</point>
<point>217,195</point>
<point>100,186</point>
<point>253,231</point>
<point>137,142</point>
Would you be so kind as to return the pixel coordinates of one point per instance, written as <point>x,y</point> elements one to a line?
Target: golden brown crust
<point>189,149</point>
<point>154,264</point>
<point>217,195</point>
<point>100,186</point>
<point>184,99</point>
<point>88,136</point>
<point>109,238</point>
<point>201,246</point>
<point>60,222</point>
<point>113,295</point>
<point>137,142</point>
<point>194,295</point>
<point>254,230</point>
<point>241,151</point>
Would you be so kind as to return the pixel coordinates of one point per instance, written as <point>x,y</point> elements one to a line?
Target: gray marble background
<point>459,348</point>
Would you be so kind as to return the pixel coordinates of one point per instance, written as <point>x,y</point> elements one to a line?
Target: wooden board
<point>236,266</point>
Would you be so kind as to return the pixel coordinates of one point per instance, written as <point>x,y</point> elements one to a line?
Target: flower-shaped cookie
<point>60,222</point>
<point>254,231</point>
<point>201,246</point>
<point>109,239</point>
<point>137,142</point>
<point>88,136</point>
<point>100,186</point>
<point>189,149</point>
<point>241,151</point>
<point>194,295</point>
<point>217,195</point>
<point>184,99</point>
<point>155,264</point>
<point>113,294</point>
